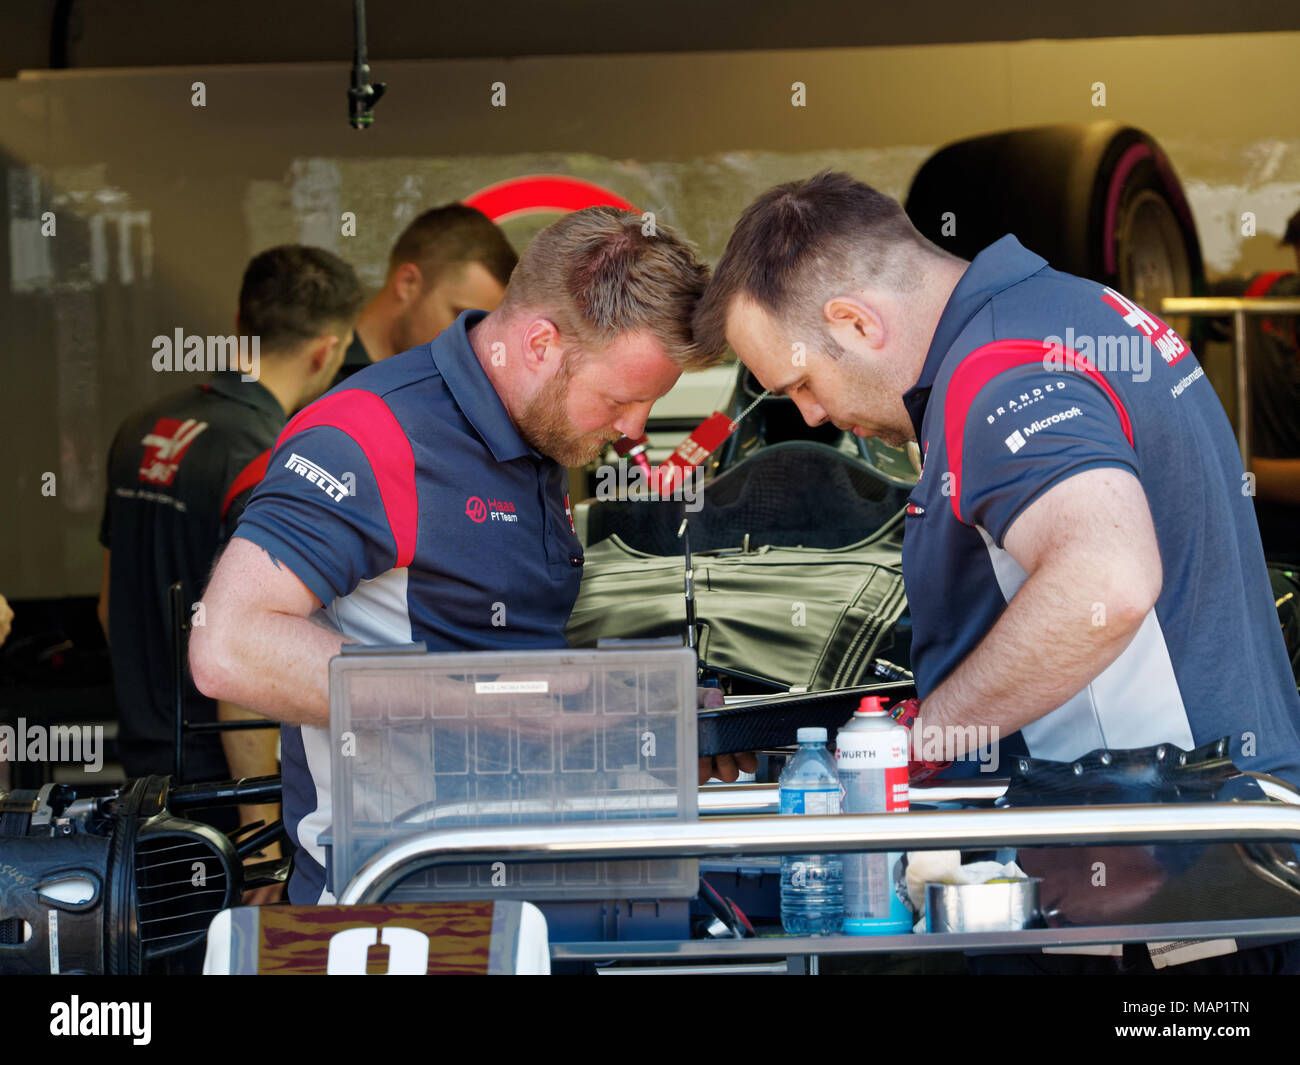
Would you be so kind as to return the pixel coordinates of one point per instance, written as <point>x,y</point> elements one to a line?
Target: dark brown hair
<point>293,293</point>
<point>798,242</point>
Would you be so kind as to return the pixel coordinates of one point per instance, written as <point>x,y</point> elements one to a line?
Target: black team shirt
<point>179,473</point>
<point>354,359</point>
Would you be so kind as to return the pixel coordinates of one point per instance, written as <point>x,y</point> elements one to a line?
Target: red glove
<point>918,770</point>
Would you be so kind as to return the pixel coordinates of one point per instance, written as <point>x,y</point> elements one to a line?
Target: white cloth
<point>944,867</point>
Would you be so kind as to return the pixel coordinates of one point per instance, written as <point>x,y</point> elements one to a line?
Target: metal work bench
<point>739,819</point>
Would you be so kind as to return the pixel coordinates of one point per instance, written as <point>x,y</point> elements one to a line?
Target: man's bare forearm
<point>249,752</point>
<point>1060,630</point>
<point>257,644</point>
<point>275,664</point>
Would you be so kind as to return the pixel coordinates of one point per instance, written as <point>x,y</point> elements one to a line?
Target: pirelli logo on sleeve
<point>322,479</point>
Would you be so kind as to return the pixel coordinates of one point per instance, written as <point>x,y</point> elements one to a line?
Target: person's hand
<point>709,698</point>
<point>270,893</point>
<point>6,618</point>
<point>726,767</point>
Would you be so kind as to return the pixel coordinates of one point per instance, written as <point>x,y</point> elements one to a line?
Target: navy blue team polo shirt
<point>410,506</point>
<point>1032,376</point>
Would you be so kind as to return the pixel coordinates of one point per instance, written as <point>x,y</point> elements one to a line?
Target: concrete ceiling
<point>45,34</point>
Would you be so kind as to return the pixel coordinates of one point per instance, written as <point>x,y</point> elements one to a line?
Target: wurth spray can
<point>871,757</point>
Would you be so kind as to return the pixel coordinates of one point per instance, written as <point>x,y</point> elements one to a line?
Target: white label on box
<point>507,687</point>
<point>1179,952</point>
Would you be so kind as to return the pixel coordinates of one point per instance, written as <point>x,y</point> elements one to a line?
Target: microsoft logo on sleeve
<point>1015,442</point>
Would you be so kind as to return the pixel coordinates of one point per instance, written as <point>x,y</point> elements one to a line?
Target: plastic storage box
<point>430,741</point>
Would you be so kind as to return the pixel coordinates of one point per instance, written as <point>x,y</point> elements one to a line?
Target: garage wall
<point>158,203</point>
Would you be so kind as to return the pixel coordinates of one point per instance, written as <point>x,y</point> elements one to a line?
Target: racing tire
<point>1099,200</point>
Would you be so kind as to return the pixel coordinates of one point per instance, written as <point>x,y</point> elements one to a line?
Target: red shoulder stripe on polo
<point>245,479</point>
<point>985,363</point>
<point>368,420</point>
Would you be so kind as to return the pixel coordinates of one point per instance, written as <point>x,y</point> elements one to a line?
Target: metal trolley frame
<point>738,819</point>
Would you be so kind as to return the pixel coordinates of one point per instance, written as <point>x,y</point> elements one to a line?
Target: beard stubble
<point>546,427</point>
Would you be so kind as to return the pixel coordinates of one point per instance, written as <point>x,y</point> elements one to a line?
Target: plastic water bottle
<point>812,885</point>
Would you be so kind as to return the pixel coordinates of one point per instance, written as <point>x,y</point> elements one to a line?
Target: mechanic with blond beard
<point>431,487</point>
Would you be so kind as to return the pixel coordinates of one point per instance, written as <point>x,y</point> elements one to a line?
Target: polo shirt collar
<point>454,357</point>
<point>1003,263</point>
<point>250,393</point>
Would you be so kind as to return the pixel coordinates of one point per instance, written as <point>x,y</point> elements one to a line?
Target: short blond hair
<point>602,271</point>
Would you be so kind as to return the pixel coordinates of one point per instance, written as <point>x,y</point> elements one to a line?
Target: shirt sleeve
<point>235,511</point>
<point>1014,431</point>
<point>244,472</point>
<point>325,510</point>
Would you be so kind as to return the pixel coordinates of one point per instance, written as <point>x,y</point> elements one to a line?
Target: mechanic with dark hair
<point>179,473</point>
<point>594,327</point>
<point>1273,347</point>
<point>448,260</point>
<point>1082,567</point>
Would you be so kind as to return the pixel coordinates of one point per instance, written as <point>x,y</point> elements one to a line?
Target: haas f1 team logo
<point>1170,345</point>
<point>479,511</point>
<point>165,447</point>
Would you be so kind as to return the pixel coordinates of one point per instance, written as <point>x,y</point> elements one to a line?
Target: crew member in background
<point>1081,565</point>
<point>1274,350</point>
<point>595,327</point>
<point>180,471</point>
<point>448,260</point>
